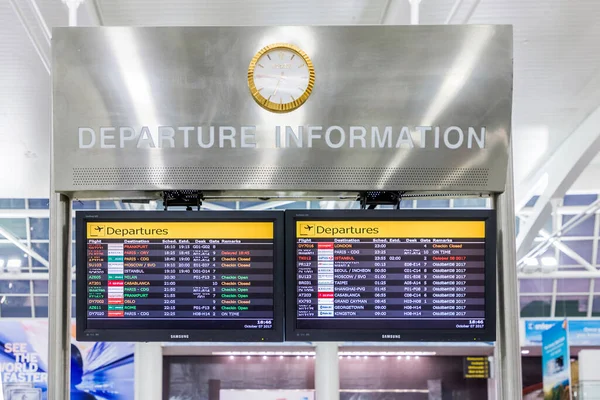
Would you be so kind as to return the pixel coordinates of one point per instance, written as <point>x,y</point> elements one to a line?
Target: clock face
<point>281,77</point>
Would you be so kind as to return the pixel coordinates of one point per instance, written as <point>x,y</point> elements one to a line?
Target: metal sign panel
<point>392,107</point>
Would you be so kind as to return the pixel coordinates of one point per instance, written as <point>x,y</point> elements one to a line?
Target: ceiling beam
<point>36,45</point>
<point>41,21</point>
<point>564,166</point>
<point>92,7</point>
<point>453,11</point>
<point>393,12</point>
<point>28,250</point>
<point>471,11</point>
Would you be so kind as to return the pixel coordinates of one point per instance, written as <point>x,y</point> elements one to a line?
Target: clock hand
<point>278,82</point>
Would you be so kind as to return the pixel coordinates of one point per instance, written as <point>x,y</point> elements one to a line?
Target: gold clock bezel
<point>281,107</point>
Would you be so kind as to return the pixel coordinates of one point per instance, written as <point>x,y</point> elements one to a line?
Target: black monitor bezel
<point>187,335</point>
<point>488,334</point>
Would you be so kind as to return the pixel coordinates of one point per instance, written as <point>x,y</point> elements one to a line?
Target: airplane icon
<point>96,230</point>
<point>306,229</point>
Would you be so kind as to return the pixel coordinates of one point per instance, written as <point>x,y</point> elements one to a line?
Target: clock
<point>281,77</point>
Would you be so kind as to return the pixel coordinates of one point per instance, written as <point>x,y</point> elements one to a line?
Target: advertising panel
<point>99,371</point>
<point>581,332</point>
<point>556,360</point>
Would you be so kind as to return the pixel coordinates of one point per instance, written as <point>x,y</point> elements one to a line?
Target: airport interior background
<point>555,143</point>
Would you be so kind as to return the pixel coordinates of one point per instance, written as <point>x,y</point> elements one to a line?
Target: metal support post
<point>59,305</point>
<point>508,346</point>
<point>148,374</point>
<point>327,372</point>
<point>414,11</point>
<point>73,5</point>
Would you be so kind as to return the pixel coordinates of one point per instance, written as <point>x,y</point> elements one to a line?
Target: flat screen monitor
<point>383,275</point>
<point>179,276</point>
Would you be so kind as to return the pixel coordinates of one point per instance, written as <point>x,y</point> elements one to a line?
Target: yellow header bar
<point>390,229</point>
<point>180,230</point>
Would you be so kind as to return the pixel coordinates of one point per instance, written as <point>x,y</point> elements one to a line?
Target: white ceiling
<point>557,63</point>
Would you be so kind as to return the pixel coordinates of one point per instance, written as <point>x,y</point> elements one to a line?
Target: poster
<point>99,371</point>
<point>582,332</point>
<point>266,394</point>
<point>556,363</point>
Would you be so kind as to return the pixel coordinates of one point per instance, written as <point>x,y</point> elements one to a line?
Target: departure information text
<point>391,275</point>
<point>180,275</point>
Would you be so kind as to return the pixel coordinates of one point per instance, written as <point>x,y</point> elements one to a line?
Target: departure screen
<point>391,275</point>
<point>180,275</point>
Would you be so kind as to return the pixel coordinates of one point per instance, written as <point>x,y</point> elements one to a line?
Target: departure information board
<point>392,277</point>
<point>194,275</point>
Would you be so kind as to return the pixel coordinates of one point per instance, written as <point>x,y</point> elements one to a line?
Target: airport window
<point>40,228</point>
<point>15,287</point>
<point>109,205</point>
<point>38,204</point>
<point>582,247</point>
<point>579,285</point>
<point>579,199</point>
<point>584,228</point>
<point>443,203</point>
<point>535,286</point>
<point>15,306</point>
<point>40,287</point>
<point>15,227</point>
<point>535,306</point>
<point>470,203</point>
<point>596,307</point>
<point>12,204</point>
<point>571,306</point>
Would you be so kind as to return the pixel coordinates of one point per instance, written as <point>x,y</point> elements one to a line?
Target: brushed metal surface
<point>365,76</point>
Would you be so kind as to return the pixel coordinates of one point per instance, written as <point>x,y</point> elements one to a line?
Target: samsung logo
<point>180,336</point>
<point>391,336</point>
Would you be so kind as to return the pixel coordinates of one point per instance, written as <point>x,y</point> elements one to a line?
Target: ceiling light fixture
<point>549,262</point>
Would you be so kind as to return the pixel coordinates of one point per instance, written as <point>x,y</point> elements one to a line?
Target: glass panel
<point>579,199</point>
<point>12,258</point>
<point>73,308</point>
<point>15,307</point>
<point>15,204</point>
<point>40,228</point>
<point>535,306</point>
<point>42,249</point>
<point>39,204</point>
<point>108,205</point>
<point>596,307</point>
<point>84,205</point>
<point>532,201</point>
<point>571,306</point>
<point>469,203</point>
<point>228,204</point>
<point>584,228</point>
<point>573,285</point>
<point>581,247</point>
<point>535,286</point>
<point>246,204</point>
<point>16,226</point>
<point>297,205</point>
<point>13,287</point>
<point>73,288</point>
<point>41,306</point>
<point>40,287</point>
<point>442,203</point>
<point>407,204</point>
